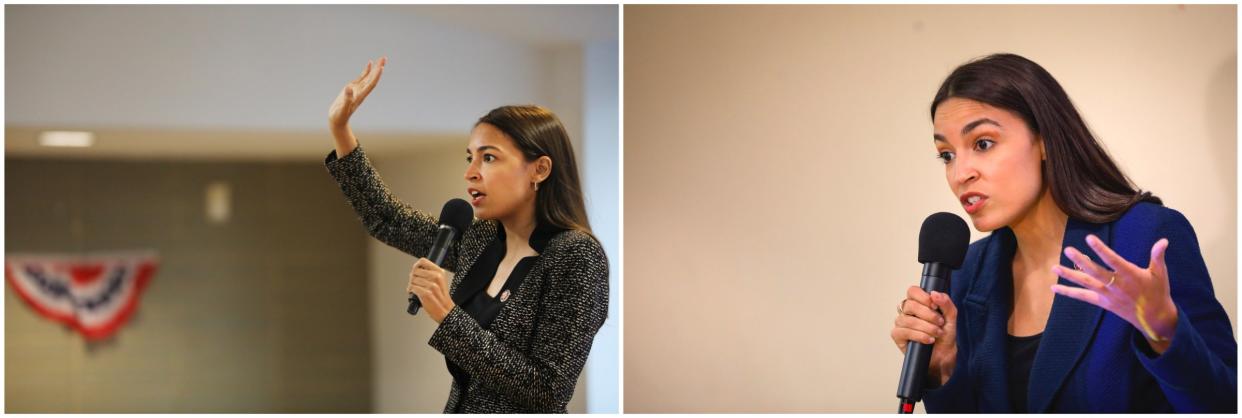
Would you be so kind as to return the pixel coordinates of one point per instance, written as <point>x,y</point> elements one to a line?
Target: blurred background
<point>790,149</point>
<point>278,301</point>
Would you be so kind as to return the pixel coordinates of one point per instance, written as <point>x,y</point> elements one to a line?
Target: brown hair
<point>538,132</point>
<point>1086,184</point>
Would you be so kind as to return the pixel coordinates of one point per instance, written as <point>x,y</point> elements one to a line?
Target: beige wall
<point>779,163</point>
<point>264,313</point>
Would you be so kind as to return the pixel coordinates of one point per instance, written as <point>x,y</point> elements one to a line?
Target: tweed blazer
<point>529,359</point>
<point>1090,360</point>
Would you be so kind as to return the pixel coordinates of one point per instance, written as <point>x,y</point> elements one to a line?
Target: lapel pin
<point>504,296</point>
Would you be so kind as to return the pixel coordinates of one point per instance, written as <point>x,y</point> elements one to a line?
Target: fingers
<point>917,294</point>
<point>425,275</point>
<point>425,280</point>
<point>373,78</point>
<point>1085,264</point>
<point>413,289</point>
<point>1083,279</point>
<point>920,321</point>
<point>363,76</point>
<point>1157,266</point>
<point>904,335</point>
<point>917,324</point>
<point>425,264</point>
<point>898,336</point>
<point>921,311</point>
<point>947,308</point>
<point>1111,258</point>
<point>1080,294</point>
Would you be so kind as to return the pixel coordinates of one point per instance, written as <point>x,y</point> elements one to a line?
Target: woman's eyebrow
<point>484,148</point>
<point>970,126</point>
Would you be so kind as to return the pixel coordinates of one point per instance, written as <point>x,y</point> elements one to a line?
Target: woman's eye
<point>945,156</point>
<point>469,159</point>
<point>984,144</point>
<point>487,158</point>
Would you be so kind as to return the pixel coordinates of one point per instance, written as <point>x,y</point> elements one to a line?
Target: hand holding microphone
<point>427,279</point>
<point>929,319</point>
<point>429,287</point>
<point>943,241</point>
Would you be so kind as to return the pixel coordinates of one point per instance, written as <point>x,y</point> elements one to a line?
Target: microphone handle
<point>918,355</point>
<point>439,249</point>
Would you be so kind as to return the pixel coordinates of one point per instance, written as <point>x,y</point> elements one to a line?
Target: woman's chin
<point>983,224</point>
<point>483,214</point>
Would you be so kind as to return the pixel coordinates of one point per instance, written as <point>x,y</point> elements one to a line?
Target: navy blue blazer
<point>1090,360</point>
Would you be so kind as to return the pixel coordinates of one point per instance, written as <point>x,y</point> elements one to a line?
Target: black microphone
<point>942,247</point>
<point>455,217</point>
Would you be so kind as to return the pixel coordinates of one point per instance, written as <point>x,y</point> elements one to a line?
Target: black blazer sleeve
<point>573,309</point>
<point>385,217</point>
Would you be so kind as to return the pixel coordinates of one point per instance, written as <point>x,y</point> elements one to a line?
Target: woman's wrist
<point>1159,331</point>
<point>344,138</point>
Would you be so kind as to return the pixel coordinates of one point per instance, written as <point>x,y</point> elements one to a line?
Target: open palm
<point>352,95</point>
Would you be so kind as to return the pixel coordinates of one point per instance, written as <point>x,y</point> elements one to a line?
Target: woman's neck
<point>518,229</point>
<point>1039,233</point>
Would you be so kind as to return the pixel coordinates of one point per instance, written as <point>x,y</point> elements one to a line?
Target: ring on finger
<point>1111,280</point>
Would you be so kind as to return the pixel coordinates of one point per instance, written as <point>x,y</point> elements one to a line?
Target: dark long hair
<point>538,132</point>
<point>1086,184</point>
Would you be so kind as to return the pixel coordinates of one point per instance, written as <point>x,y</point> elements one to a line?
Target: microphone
<point>454,219</point>
<point>943,240</point>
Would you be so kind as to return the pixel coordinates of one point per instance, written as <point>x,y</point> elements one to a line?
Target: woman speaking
<point>1133,326</point>
<point>531,283</point>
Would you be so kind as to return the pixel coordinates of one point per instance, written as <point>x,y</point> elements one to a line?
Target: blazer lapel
<point>987,313</point>
<point>1071,324</point>
<point>465,282</point>
<point>521,306</point>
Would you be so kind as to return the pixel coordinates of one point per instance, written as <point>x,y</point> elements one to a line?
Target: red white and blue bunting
<point>94,294</point>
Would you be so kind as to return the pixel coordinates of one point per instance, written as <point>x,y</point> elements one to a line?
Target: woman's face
<point>992,161</point>
<point>499,180</point>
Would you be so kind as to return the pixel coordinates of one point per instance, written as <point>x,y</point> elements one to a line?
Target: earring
<point>536,186</point>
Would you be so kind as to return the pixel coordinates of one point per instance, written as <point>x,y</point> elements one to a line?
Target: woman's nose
<point>964,171</point>
<point>472,173</point>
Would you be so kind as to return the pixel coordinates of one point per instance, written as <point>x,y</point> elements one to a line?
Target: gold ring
<point>901,305</point>
<point>1110,281</point>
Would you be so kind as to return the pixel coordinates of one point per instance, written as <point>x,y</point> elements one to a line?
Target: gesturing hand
<point>352,95</point>
<point>1138,295</point>
<point>429,283</point>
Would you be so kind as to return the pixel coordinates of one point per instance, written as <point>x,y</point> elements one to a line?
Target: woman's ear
<point>1043,150</point>
<point>543,169</point>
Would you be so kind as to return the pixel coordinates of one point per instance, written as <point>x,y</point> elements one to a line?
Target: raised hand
<point>1138,295</point>
<point>347,102</point>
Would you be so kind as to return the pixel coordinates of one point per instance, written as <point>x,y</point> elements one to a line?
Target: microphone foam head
<point>943,239</point>
<point>457,214</point>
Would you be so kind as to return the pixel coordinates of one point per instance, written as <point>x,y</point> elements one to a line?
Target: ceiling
<point>213,81</point>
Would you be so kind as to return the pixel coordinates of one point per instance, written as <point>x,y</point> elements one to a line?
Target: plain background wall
<point>779,164</point>
<point>265,312</point>
<point>600,152</point>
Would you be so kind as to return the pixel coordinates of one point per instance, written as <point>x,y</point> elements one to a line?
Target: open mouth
<point>972,202</point>
<point>476,196</point>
